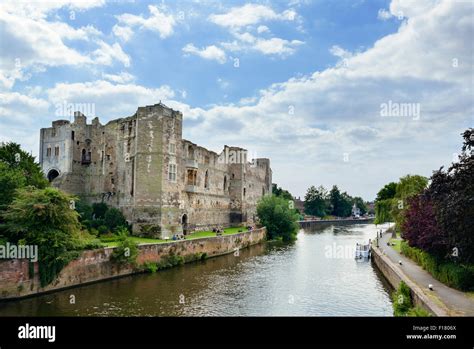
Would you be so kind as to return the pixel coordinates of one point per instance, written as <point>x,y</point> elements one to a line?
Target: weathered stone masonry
<point>163,183</point>
<point>95,265</point>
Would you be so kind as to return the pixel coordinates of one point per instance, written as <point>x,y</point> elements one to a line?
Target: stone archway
<point>52,174</point>
<point>184,223</point>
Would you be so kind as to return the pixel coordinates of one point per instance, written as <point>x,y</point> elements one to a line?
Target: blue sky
<point>301,82</point>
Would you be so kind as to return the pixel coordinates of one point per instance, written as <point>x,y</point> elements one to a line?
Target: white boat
<point>362,251</point>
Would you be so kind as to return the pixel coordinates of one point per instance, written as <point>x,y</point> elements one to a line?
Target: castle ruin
<point>162,183</point>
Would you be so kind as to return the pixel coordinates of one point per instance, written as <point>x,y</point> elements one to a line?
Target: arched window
<point>190,152</point>
<point>245,191</point>
<point>206,180</point>
<point>263,191</point>
<point>225,183</point>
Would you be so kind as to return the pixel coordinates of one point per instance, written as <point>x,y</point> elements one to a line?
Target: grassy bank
<point>113,242</point>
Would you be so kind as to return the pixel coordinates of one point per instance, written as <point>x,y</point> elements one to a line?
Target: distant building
<point>162,183</point>
<point>355,210</point>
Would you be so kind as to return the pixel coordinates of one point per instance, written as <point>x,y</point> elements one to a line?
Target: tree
<point>421,229</point>
<point>360,204</point>
<point>44,217</point>
<point>276,215</point>
<point>387,192</point>
<point>278,191</point>
<point>452,193</point>
<point>10,180</point>
<point>383,203</point>
<point>315,201</point>
<point>340,203</point>
<point>14,157</point>
<point>407,187</point>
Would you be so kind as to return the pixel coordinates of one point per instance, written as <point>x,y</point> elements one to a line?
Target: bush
<point>103,230</point>
<point>418,312</point>
<point>126,252</point>
<point>114,218</point>
<point>85,211</point>
<point>402,300</point>
<point>99,209</point>
<point>150,267</point>
<point>451,274</point>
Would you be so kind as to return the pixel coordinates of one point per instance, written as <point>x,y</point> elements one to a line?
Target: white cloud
<point>120,78</point>
<point>35,43</point>
<point>272,46</point>
<point>106,54</point>
<point>277,46</point>
<point>111,100</point>
<point>250,14</point>
<point>408,8</point>
<point>210,52</point>
<point>338,51</point>
<point>16,107</point>
<point>384,14</point>
<point>122,32</point>
<point>242,20</point>
<point>158,21</point>
<point>263,29</point>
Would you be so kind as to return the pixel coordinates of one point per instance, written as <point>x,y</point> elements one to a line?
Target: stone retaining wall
<point>95,265</point>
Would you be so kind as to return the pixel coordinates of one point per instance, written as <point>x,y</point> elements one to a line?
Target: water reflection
<point>267,279</point>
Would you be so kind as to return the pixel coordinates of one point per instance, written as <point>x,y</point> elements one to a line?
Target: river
<point>312,277</point>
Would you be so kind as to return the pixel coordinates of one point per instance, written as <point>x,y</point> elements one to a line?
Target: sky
<point>349,93</point>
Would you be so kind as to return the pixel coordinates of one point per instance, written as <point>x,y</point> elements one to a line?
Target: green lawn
<point>196,235</point>
<point>396,245</point>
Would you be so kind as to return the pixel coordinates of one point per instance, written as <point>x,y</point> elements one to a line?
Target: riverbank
<point>442,301</point>
<point>309,223</point>
<point>20,279</point>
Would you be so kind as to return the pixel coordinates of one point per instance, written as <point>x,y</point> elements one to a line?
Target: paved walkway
<point>458,303</point>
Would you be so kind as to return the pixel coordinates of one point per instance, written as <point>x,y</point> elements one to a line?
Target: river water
<point>315,276</point>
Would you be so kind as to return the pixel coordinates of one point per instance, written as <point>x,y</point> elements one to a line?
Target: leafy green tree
<point>114,218</point>
<point>360,204</point>
<point>383,203</point>
<point>346,205</point>
<point>10,180</point>
<point>14,157</point>
<point>275,214</point>
<point>285,194</point>
<point>44,217</point>
<point>408,187</point>
<point>341,203</point>
<point>315,201</point>
<point>387,192</point>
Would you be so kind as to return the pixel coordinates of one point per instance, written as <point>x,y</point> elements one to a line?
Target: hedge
<point>458,276</point>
